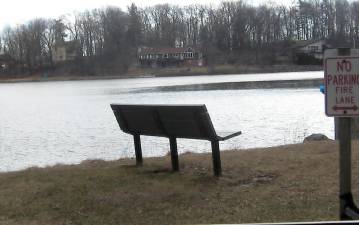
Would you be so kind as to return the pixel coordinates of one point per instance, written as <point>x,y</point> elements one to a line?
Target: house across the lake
<point>7,63</point>
<point>66,51</point>
<point>170,57</point>
<point>309,52</point>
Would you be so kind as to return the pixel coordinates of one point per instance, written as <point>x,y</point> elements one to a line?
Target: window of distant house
<point>313,48</point>
<point>166,55</point>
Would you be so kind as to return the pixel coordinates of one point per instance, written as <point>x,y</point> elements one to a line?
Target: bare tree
<point>107,37</point>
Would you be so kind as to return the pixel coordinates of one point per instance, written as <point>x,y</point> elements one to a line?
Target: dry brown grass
<point>288,183</point>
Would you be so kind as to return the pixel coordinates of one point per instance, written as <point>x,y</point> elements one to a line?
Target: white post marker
<point>341,74</point>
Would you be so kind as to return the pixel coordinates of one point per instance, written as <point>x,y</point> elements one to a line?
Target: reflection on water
<point>68,122</point>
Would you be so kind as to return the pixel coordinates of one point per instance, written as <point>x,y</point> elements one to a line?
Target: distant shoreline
<point>166,72</point>
<point>239,85</point>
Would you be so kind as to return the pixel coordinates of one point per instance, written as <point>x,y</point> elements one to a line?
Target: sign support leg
<point>344,164</point>
<point>348,210</point>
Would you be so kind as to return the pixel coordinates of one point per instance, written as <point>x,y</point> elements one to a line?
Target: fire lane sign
<point>341,75</point>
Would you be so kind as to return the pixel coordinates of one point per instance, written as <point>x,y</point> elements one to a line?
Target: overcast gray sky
<point>19,11</point>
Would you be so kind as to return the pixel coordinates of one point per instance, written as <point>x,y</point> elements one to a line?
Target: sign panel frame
<point>341,93</point>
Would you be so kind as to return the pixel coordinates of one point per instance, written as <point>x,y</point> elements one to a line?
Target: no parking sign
<point>341,75</point>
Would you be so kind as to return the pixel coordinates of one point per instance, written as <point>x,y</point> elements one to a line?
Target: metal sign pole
<point>348,209</point>
<point>344,165</point>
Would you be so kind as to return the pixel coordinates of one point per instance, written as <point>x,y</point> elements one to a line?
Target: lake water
<point>67,122</point>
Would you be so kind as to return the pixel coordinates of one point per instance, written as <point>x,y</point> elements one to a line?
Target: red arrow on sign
<point>354,108</point>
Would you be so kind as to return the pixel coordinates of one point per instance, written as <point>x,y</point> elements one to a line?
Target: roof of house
<point>70,46</point>
<point>302,43</point>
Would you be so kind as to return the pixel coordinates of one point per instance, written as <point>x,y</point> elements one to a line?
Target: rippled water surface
<point>68,122</point>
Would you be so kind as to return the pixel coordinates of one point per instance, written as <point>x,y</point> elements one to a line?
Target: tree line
<point>106,40</point>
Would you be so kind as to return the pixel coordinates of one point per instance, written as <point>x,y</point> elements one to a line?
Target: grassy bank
<point>288,183</point>
<point>164,72</point>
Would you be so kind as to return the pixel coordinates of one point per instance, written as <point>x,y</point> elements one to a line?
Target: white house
<point>66,51</point>
<point>312,48</point>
